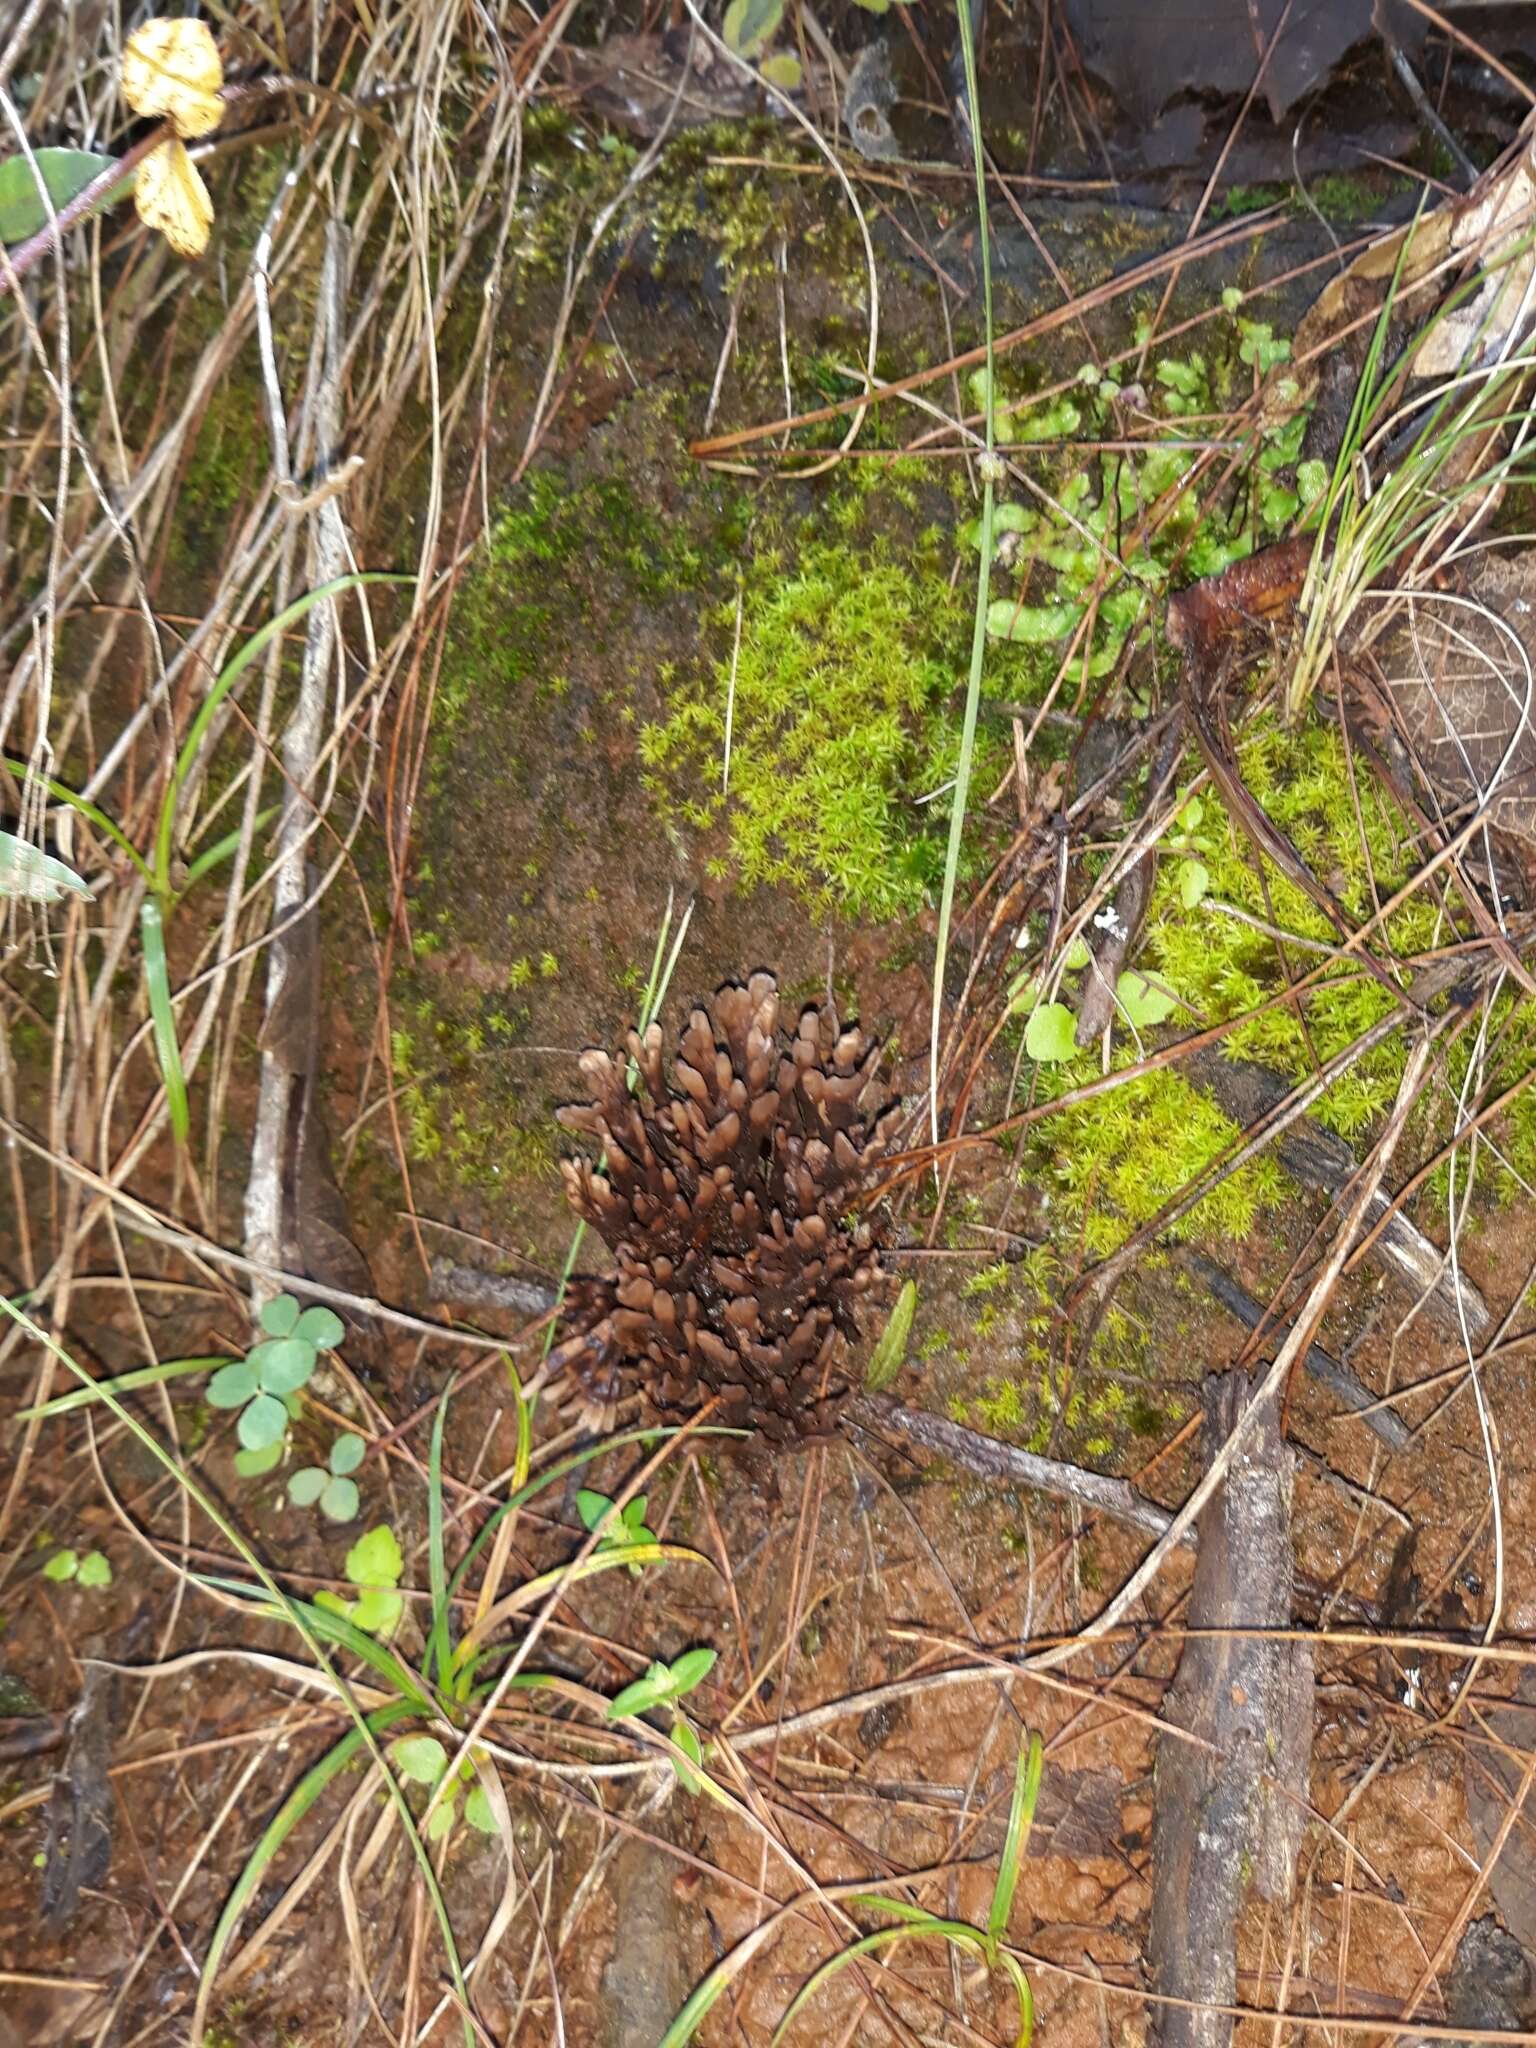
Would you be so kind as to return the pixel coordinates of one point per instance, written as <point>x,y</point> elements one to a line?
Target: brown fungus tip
<point>727,1202</point>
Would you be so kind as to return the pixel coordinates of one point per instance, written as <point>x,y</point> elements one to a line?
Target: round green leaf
<point>262,1423</point>
<point>279,1316</point>
<point>306,1486</point>
<point>421,1758</point>
<point>1034,624</point>
<point>1144,1000</point>
<point>339,1501</point>
<point>374,1559</point>
<point>1078,954</point>
<point>782,70</point>
<point>282,1364</point>
<point>442,1819</point>
<point>321,1327</point>
<point>347,1453</point>
<point>378,1610</point>
<point>95,1570</point>
<point>1051,1033</point>
<point>477,1811</point>
<point>61,1566</point>
<point>591,1507</point>
<point>232,1385</point>
<point>251,1464</point>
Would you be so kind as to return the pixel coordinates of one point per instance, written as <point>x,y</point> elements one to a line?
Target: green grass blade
<point>957,1932</point>
<point>330,1627</point>
<point>1025,1995</point>
<point>287,1818</point>
<point>92,812</point>
<point>439,1645</point>
<point>692,2013</point>
<point>125,1383</point>
<point>574,1463</point>
<point>223,848</point>
<point>983,582</point>
<point>1021,1812</point>
<point>223,683</point>
<point>162,1020</point>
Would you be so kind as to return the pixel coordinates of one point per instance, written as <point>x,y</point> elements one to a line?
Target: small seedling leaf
<point>374,1559</point>
<point>347,1453</point>
<point>1033,624</point>
<point>283,1364</point>
<point>749,25</point>
<point>339,1502</point>
<point>378,1610</point>
<point>321,1327</point>
<point>1051,1034</point>
<point>279,1316</point>
<point>477,1811</point>
<point>442,1819</point>
<point>263,1422</point>
<point>1078,955</point>
<point>889,1355</point>
<point>633,1517</point>
<point>1194,880</point>
<point>688,1742</point>
<point>61,1566</point>
<point>25,870</point>
<point>421,1758</point>
<point>64,172</point>
<point>782,70</point>
<point>252,1464</point>
<point>591,1507</point>
<point>95,1570</point>
<point>642,1694</point>
<point>232,1385</point>
<point>1144,1000</point>
<point>691,1669</point>
<point>306,1486</point>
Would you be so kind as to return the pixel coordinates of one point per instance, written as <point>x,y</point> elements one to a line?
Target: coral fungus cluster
<point>725,1196</point>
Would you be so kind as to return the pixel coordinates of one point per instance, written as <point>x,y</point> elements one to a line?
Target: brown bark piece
<point>1228,1807</point>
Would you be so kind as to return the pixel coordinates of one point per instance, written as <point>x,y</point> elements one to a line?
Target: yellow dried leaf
<point>169,194</point>
<point>172,71</point>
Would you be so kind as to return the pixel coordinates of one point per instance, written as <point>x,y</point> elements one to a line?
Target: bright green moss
<point>845,694</point>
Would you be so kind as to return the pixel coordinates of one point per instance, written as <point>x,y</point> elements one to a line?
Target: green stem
<point>989,467</point>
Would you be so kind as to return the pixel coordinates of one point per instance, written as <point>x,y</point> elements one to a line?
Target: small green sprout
<point>625,1529</point>
<point>264,1384</point>
<point>373,1566</point>
<point>332,1488</point>
<point>92,1571</point>
<point>664,1685</point>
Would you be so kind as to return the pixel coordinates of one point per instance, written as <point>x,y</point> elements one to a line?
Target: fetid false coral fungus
<point>725,1195</point>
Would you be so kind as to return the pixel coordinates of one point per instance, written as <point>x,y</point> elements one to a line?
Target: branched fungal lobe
<point>725,1198</point>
